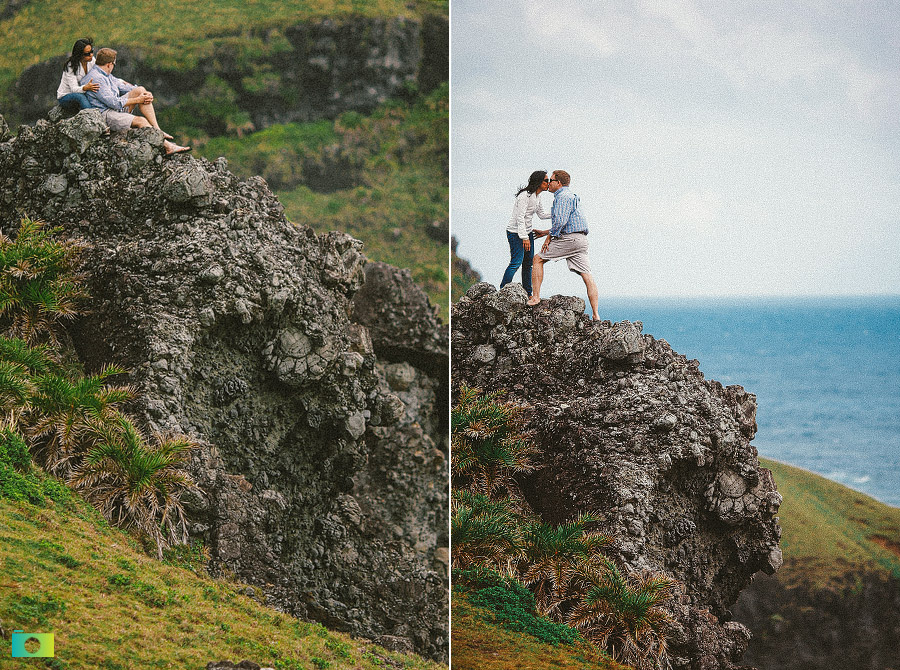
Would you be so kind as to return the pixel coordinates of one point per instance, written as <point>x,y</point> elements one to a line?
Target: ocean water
<point>826,373</point>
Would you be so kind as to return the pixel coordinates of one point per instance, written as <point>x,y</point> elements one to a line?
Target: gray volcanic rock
<point>323,473</point>
<point>631,430</point>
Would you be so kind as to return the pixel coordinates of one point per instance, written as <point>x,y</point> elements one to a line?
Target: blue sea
<point>825,371</point>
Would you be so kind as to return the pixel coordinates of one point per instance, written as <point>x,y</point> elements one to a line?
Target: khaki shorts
<point>571,246</point>
<point>118,122</point>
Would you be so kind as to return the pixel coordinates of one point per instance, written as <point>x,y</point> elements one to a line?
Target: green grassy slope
<point>66,572</point>
<point>829,529</point>
<point>175,31</point>
<point>479,644</point>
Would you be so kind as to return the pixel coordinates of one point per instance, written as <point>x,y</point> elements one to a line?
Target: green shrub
<point>13,450</point>
<point>19,479</point>
<point>39,282</point>
<point>513,607</point>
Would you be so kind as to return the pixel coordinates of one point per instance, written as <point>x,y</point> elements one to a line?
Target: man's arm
<point>104,97</point>
<point>122,88</point>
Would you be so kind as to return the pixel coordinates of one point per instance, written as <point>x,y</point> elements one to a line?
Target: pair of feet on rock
<point>534,300</point>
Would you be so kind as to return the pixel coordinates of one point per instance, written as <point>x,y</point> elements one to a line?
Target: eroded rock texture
<point>324,466</point>
<point>631,430</point>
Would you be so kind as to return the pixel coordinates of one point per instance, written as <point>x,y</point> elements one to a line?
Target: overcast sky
<point>719,147</point>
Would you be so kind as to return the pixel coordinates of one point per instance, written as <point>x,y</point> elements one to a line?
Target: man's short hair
<point>562,176</point>
<point>105,56</point>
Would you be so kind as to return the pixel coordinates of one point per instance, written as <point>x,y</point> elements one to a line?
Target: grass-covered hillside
<point>66,571</point>
<point>830,530</point>
<point>177,32</point>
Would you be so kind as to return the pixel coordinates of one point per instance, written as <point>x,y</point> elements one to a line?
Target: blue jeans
<point>74,102</point>
<point>519,257</point>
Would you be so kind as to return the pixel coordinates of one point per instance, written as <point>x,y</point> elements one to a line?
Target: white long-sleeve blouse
<point>70,80</point>
<point>527,205</point>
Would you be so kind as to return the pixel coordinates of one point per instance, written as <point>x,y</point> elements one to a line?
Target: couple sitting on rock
<point>87,82</point>
<point>566,237</point>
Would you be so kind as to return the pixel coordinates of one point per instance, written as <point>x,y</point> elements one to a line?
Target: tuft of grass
<point>121,609</point>
<point>829,530</point>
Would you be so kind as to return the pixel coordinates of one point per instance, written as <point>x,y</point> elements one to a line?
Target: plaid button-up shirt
<point>565,216</point>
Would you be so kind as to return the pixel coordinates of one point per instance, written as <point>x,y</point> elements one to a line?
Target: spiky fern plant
<point>135,483</point>
<point>553,553</point>
<point>488,445</point>
<point>483,532</point>
<point>65,412</point>
<point>39,282</point>
<point>624,614</point>
<point>18,364</point>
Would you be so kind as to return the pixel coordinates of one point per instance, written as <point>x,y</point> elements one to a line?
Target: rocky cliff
<point>631,430</point>
<point>851,624</point>
<point>312,70</point>
<point>323,470</point>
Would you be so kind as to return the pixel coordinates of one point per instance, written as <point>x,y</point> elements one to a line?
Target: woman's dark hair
<point>78,52</point>
<point>534,181</point>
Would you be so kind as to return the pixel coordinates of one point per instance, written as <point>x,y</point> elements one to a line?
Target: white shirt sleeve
<point>539,209</point>
<point>68,84</point>
<point>519,215</point>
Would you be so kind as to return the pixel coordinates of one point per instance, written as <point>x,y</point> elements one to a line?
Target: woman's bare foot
<point>533,300</point>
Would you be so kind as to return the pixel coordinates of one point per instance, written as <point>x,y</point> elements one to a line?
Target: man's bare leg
<point>593,295</point>
<point>537,276</point>
<point>146,108</point>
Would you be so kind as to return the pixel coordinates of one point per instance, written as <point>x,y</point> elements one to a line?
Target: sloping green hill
<point>829,529</point>
<point>66,572</point>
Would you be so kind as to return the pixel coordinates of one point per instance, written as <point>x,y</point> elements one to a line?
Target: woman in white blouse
<point>519,232</point>
<point>70,94</point>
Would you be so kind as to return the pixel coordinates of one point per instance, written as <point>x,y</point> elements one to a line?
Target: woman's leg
<point>527,262</point>
<point>515,257</point>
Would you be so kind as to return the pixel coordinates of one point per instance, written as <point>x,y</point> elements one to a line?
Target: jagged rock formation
<point>852,624</point>
<point>631,430</point>
<point>323,473</point>
<point>316,69</point>
<point>463,275</point>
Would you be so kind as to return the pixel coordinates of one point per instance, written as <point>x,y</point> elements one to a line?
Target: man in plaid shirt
<point>567,239</point>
